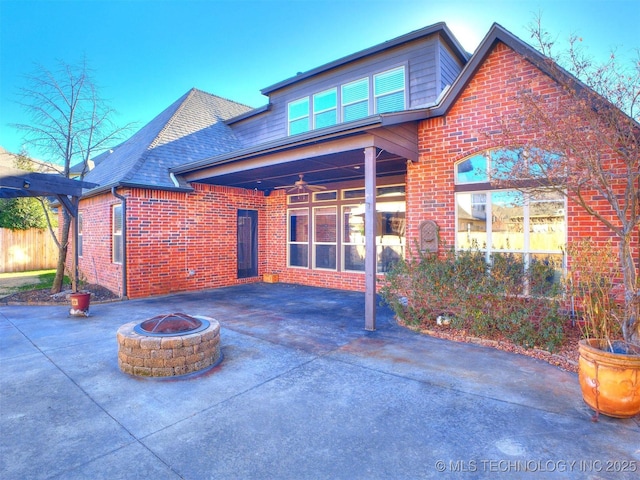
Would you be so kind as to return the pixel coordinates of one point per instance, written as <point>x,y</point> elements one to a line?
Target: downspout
<point>123,200</point>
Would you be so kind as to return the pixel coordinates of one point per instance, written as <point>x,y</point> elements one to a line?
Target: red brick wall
<point>175,241</point>
<point>472,126</point>
<point>95,265</point>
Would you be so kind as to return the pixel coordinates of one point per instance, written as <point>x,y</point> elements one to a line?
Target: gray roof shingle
<point>190,129</point>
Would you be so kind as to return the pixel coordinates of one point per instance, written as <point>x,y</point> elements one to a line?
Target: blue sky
<point>147,53</point>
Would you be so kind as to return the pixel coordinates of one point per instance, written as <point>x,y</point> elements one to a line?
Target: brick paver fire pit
<point>169,345</point>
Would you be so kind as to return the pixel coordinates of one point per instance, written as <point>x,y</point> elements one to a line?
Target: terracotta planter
<point>80,304</point>
<point>610,382</point>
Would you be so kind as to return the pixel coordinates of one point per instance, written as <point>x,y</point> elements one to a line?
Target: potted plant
<point>609,363</point>
<point>80,300</point>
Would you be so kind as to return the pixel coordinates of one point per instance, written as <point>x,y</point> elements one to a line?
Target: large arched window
<point>531,224</point>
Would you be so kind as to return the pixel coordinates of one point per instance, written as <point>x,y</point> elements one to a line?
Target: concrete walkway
<point>303,392</point>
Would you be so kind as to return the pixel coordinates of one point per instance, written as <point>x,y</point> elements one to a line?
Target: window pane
<point>355,91</point>
<point>390,81</point>
<point>299,255</point>
<point>507,227</point>
<point>325,196</point>
<point>326,119</point>
<point>547,230</point>
<point>353,225</point>
<point>393,191</point>
<point>355,111</point>
<point>299,225</point>
<point>299,126</point>
<point>325,100</point>
<point>393,102</point>
<point>354,257</point>
<point>298,198</point>
<point>388,256</point>
<point>325,225</point>
<point>326,256</point>
<point>298,109</point>
<point>472,170</point>
<point>472,220</point>
<point>349,194</point>
<point>117,219</point>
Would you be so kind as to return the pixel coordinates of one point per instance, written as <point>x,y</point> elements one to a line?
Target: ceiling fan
<point>301,186</point>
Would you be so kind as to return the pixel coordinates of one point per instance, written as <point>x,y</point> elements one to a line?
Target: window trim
<point>80,237</point>
<point>291,120</point>
<point>315,112</point>
<point>391,92</point>
<point>315,242</point>
<point>116,236</point>
<point>290,242</point>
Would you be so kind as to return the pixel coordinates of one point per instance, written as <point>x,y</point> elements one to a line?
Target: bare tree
<point>70,121</point>
<point>585,144</point>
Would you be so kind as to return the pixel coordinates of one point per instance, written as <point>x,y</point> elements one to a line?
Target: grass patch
<point>24,281</point>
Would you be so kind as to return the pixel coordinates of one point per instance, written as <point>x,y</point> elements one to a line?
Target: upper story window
<point>381,93</point>
<point>325,108</point>
<point>298,116</point>
<point>388,90</point>
<point>355,100</point>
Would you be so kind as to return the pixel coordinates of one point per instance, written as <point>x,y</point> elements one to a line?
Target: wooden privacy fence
<point>24,250</point>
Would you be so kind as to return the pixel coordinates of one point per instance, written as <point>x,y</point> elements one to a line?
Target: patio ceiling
<point>321,161</point>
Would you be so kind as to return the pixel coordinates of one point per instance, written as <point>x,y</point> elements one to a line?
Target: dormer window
<point>388,90</point>
<point>355,100</point>
<point>380,93</point>
<point>325,108</point>
<point>298,116</point>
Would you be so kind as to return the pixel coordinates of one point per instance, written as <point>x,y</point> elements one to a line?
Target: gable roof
<point>191,128</point>
<point>497,33</point>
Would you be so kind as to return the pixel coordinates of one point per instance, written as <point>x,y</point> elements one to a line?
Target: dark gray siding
<point>450,66</point>
<point>421,57</point>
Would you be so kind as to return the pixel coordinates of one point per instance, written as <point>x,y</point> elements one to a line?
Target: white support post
<point>370,237</point>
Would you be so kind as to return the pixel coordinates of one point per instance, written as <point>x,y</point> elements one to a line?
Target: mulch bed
<point>44,297</point>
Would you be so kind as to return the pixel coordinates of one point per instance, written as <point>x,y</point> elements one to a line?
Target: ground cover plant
<point>497,300</point>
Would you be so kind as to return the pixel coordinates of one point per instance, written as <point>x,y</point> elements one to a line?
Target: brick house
<point>347,166</point>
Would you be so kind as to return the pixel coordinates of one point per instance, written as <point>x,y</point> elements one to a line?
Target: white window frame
<point>307,242</point>
<point>116,235</point>
<point>291,120</point>
<point>403,89</point>
<point>366,98</point>
<point>80,239</point>
<point>317,112</point>
<point>315,241</point>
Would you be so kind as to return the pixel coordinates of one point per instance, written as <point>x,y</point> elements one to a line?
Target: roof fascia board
<point>424,32</point>
<point>279,157</point>
<point>107,188</point>
<point>249,114</point>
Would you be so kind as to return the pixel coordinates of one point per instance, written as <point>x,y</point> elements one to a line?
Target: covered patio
<point>302,392</point>
<point>377,147</point>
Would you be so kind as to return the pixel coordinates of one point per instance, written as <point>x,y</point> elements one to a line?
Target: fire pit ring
<point>171,324</point>
<point>169,345</point>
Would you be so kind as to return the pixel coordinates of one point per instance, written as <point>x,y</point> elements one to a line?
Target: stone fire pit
<point>169,345</point>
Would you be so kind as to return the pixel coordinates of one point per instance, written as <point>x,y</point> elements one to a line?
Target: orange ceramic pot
<point>610,382</point>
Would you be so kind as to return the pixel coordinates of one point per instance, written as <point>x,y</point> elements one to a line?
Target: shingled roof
<point>190,129</point>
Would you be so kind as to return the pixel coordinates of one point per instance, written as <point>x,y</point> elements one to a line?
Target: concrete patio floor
<point>303,392</point>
